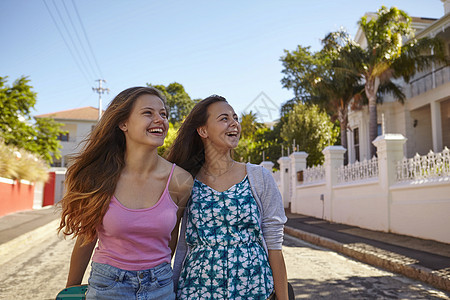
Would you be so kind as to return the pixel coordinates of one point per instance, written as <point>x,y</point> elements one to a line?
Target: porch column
<point>436,126</point>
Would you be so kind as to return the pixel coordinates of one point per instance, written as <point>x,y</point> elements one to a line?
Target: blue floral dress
<point>226,258</point>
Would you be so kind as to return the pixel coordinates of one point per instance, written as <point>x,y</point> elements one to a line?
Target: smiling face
<point>147,123</point>
<point>222,129</point>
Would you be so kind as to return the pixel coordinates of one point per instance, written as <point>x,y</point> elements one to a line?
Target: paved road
<point>318,273</point>
<point>39,270</point>
<point>36,271</point>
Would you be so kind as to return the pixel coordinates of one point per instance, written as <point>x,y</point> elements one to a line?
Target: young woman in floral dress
<point>232,229</point>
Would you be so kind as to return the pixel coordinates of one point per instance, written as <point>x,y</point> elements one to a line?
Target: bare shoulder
<point>181,185</point>
<point>182,177</point>
<point>241,169</point>
<point>242,165</point>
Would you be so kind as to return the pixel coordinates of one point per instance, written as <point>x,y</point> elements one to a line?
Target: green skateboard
<point>77,292</point>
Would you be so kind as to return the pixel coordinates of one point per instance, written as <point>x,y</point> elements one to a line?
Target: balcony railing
<point>425,83</point>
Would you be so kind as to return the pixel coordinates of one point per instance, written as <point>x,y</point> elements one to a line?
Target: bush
<point>19,164</point>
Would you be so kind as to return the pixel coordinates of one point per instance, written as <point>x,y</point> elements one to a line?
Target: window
<point>379,130</point>
<point>356,142</point>
<point>63,137</point>
<point>56,163</point>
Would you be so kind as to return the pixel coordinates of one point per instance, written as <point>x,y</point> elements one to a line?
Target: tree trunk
<point>343,121</point>
<point>371,89</point>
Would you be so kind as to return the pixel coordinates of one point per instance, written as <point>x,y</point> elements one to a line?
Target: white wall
<point>78,131</point>
<point>363,205</point>
<point>421,210</point>
<point>423,140</point>
<point>60,176</point>
<point>38,195</point>
<point>445,117</point>
<point>419,207</point>
<point>309,202</point>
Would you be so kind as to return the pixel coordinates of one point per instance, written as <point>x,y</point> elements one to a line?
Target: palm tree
<point>249,124</point>
<point>386,57</point>
<point>323,78</point>
<point>334,86</point>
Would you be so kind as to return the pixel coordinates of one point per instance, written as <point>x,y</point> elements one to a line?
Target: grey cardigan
<point>270,205</point>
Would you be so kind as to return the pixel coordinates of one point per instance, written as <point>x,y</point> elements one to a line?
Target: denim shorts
<point>108,282</point>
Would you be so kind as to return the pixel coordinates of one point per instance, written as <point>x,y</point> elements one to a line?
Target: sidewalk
<point>423,260</point>
<point>17,224</point>
<point>419,259</point>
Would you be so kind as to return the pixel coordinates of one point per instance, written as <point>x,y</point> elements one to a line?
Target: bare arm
<point>81,255</point>
<point>276,261</point>
<point>180,190</point>
<point>174,236</point>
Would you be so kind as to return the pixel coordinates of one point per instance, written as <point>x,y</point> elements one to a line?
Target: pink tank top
<point>137,239</point>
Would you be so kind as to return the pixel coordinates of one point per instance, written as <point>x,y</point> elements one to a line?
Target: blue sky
<point>231,48</point>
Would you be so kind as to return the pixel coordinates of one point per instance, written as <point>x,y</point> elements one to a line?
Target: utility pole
<point>100,90</point>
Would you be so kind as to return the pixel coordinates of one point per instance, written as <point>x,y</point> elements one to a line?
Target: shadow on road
<point>357,287</point>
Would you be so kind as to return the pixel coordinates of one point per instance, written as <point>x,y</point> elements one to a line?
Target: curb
<point>377,257</point>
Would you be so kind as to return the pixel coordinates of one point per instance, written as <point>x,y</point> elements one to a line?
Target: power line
<point>65,42</point>
<point>100,90</point>
<point>86,37</point>
<point>78,37</point>
<point>71,39</point>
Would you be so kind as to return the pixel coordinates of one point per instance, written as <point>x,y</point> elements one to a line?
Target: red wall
<point>49,190</point>
<point>15,197</point>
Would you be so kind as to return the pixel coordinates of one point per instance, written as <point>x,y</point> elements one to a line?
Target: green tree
<point>265,142</point>
<point>178,100</point>
<point>298,69</point>
<point>249,124</point>
<point>386,57</point>
<point>45,141</point>
<point>170,138</point>
<point>333,87</point>
<point>320,78</point>
<point>16,123</point>
<point>312,130</point>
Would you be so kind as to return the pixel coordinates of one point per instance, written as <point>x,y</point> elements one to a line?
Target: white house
<point>388,193</point>
<point>424,118</point>
<point>78,123</point>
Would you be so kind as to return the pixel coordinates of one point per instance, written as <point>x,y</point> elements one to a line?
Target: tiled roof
<point>423,20</point>
<point>84,113</point>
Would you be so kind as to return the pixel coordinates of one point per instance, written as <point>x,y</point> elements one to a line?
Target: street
<point>38,270</point>
<point>318,273</point>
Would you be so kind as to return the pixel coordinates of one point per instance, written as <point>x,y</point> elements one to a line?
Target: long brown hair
<point>187,151</point>
<point>92,178</point>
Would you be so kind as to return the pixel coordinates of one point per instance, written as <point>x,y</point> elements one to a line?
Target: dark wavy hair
<point>92,178</point>
<point>187,151</point>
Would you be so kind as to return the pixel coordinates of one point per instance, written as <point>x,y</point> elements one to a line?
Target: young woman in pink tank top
<point>126,199</point>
